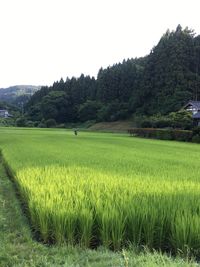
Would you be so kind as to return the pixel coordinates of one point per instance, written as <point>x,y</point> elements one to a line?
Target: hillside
<point>18,93</point>
<point>160,83</point>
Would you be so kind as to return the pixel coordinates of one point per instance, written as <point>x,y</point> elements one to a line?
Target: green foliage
<point>41,125</point>
<point>7,122</point>
<point>55,106</point>
<point>196,139</point>
<point>21,122</point>
<point>164,134</point>
<point>196,130</point>
<point>160,83</point>
<point>156,121</point>
<point>113,112</point>
<point>181,119</point>
<point>88,110</point>
<point>50,123</point>
<point>196,135</point>
<point>141,192</point>
<point>29,124</point>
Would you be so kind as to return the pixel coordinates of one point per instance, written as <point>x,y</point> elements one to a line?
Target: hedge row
<point>163,134</point>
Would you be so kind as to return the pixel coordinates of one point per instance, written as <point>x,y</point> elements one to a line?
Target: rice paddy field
<point>106,189</point>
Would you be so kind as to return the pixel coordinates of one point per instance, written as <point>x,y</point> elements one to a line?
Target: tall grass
<point>109,190</point>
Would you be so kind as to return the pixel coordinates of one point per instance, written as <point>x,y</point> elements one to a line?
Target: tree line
<point>159,83</point>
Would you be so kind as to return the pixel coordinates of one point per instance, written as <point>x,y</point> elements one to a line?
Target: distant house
<point>194,107</point>
<point>4,113</point>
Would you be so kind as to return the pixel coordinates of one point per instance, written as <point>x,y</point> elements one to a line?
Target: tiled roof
<point>196,104</point>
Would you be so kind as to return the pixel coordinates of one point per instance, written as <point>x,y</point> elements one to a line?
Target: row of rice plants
<point>85,206</point>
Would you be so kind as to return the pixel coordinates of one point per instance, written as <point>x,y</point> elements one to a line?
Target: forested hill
<point>18,93</point>
<point>161,82</point>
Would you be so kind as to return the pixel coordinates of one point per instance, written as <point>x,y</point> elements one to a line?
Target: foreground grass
<point>19,249</point>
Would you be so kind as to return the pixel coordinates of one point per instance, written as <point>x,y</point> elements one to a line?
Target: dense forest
<point>160,83</point>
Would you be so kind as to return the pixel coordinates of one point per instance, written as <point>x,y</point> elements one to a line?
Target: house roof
<point>196,115</point>
<point>196,104</point>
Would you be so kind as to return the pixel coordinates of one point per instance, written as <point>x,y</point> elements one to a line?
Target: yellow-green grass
<point>107,189</point>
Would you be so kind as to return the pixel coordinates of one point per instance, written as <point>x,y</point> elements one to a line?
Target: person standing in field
<point>75,132</point>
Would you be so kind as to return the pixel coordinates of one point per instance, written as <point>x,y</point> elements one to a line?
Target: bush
<point>146,124</point>
<point>7,122</point>
<point>163,134</point>
<point>50,123</point>
<point>36,123</point>
<point>196,131</point>
<point>196,139</point>
<point>41,125</point>
<point>196,135</point>
<point>181,120</point>
<point>29,124</point>
<point>182,135</point>
<point>21,122</point>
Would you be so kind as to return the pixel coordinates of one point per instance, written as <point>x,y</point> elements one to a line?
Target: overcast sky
<point>44,40</point>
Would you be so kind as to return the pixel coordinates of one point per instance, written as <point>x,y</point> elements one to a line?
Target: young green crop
<point>104,189</point>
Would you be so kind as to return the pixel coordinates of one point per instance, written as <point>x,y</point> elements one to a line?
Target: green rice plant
<point>86,221</point>
<point>134,223</point>
<point>63,226</point>
<point>186,233</point>
<point>103,189</point>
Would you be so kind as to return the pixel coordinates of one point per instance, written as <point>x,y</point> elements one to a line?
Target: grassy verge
<point>18,249</point>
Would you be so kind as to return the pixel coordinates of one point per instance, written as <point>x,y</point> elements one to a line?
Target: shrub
<point>196,131</point>
<point>196,135</point>
<point>36,123</point>
<point>41,125</point>
<point>182,135</point>
<point>146,124</point>
<point>164,134</point>
<point>29,124</point>
<point>50,123</point>
<point>181,120</point>
<point>21,122</point>
<point>196,139</point>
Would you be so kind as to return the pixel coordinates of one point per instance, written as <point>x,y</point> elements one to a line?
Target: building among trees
<point>4,113</point>
<point>194,107</point>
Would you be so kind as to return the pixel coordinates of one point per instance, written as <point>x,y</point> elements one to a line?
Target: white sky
<point>44,40</point>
